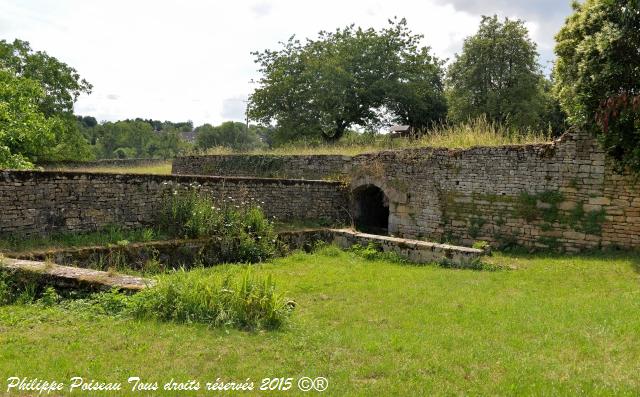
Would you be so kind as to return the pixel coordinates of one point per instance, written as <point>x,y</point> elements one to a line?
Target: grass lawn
<point>553,325</point>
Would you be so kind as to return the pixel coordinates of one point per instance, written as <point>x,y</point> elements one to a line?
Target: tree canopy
<point>25,133</point>
<point>49,109</point>
<point>230,134</point>
<point>497,76</point>
<point>597,74</point>
<point>349,77</point>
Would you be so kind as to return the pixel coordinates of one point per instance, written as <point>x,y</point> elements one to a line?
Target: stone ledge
<point>414,250</point>
<point>75,277</point>
<point>27,175</point>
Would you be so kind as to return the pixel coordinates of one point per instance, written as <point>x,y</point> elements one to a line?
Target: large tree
<point>598,74</point>
<point>60,86</point>
<point>25,133</point>
<point>349,77</point>
<point>497,76</point>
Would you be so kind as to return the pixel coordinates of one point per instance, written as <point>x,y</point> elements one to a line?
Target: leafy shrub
<point>19,290</point>
<point>481,245</point>
<point>597,75</point>
<point>374,252</point>
<point>218,299</point>
<point>243,232</point>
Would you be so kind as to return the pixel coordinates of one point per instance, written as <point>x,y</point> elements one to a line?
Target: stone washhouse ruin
<point>426,204</point>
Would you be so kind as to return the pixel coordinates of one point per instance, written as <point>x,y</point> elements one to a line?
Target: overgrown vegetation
<point>597,75</point>
<point>236,298</point>
<point>106,236</point>
<point>229,299</point>
<point>544,206</point>
<point>439,331</point>
<point>476,132</point>
<point>498,76</point>
<point>243,232</point>
<point>341,79</point>
<point>37,93</point>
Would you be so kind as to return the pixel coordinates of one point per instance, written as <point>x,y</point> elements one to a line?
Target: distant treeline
<point>148,138</point>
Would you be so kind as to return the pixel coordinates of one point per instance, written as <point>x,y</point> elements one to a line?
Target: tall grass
<point>233,297</point>
<point>242,231</point>
<point>477,132</point>
<point>108,235</point>
<point>230,299</point>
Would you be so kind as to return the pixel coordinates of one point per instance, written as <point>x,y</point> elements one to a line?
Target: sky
<point>191,60</point>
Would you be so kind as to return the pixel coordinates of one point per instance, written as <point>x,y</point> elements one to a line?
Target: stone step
<point>68,277</point>
<point>416,251</point>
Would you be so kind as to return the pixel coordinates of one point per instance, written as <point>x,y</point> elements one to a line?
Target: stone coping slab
<point>416,251</point>
<point>75,277</point>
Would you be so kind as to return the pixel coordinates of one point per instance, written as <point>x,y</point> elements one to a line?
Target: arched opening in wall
<point>371,212</point>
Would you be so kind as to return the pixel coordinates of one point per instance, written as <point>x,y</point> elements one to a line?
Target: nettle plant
<point>243,232</point>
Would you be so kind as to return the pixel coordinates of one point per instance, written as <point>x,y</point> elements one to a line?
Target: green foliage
<point>106,236</point>
<point>49,297</point>
<point>219,299</point>
<point>481,245</point>
<point>374,252</point>
<point>497,75</point>
<point>345,78</point>
<point>18,289</point>
<point>25,133</point>
<point>243,232</point>
<point>61,83</point>
<point>37,93</point>
<point>230,134</point>
<point>526,206</point>
<point>551,243</point>
<point>475,226</point>
<point>597,74</point>
<point>237,299</point>
<point>134,138</point>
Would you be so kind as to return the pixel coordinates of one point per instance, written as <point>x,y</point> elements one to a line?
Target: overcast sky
<point>190,60</point>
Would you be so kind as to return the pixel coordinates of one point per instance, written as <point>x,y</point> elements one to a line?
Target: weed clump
<point>219,299</point>
<point>243,232</point>
<point>231,299</point>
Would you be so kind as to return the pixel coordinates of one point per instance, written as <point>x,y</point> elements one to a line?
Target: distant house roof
<point>400,128</point>
<point>189,136</point>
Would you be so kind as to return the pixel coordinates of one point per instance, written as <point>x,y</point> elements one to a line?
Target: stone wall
<point>34,202</point>
<point>560,195</point>
<point>307,167</point>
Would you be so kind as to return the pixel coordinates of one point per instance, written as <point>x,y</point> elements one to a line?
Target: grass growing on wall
<point>156,169</point>
<point>479,132</point>
<point>553,325</point>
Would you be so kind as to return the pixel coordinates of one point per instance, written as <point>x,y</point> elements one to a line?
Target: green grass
<point>553,325</point>
<point>157,169</point>
<point>479,132</point>
<point>109,235</point>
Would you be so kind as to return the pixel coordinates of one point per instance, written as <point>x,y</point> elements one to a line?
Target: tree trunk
<point>337,132</point>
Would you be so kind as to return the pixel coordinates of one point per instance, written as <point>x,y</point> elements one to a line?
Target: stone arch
<point>373,203</point>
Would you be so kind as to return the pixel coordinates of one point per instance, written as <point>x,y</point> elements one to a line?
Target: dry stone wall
<point>271,166</point>
<point>560,195</point>
<point>35,202</point>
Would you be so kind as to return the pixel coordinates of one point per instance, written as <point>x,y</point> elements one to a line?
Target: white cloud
<point>180,60</point>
